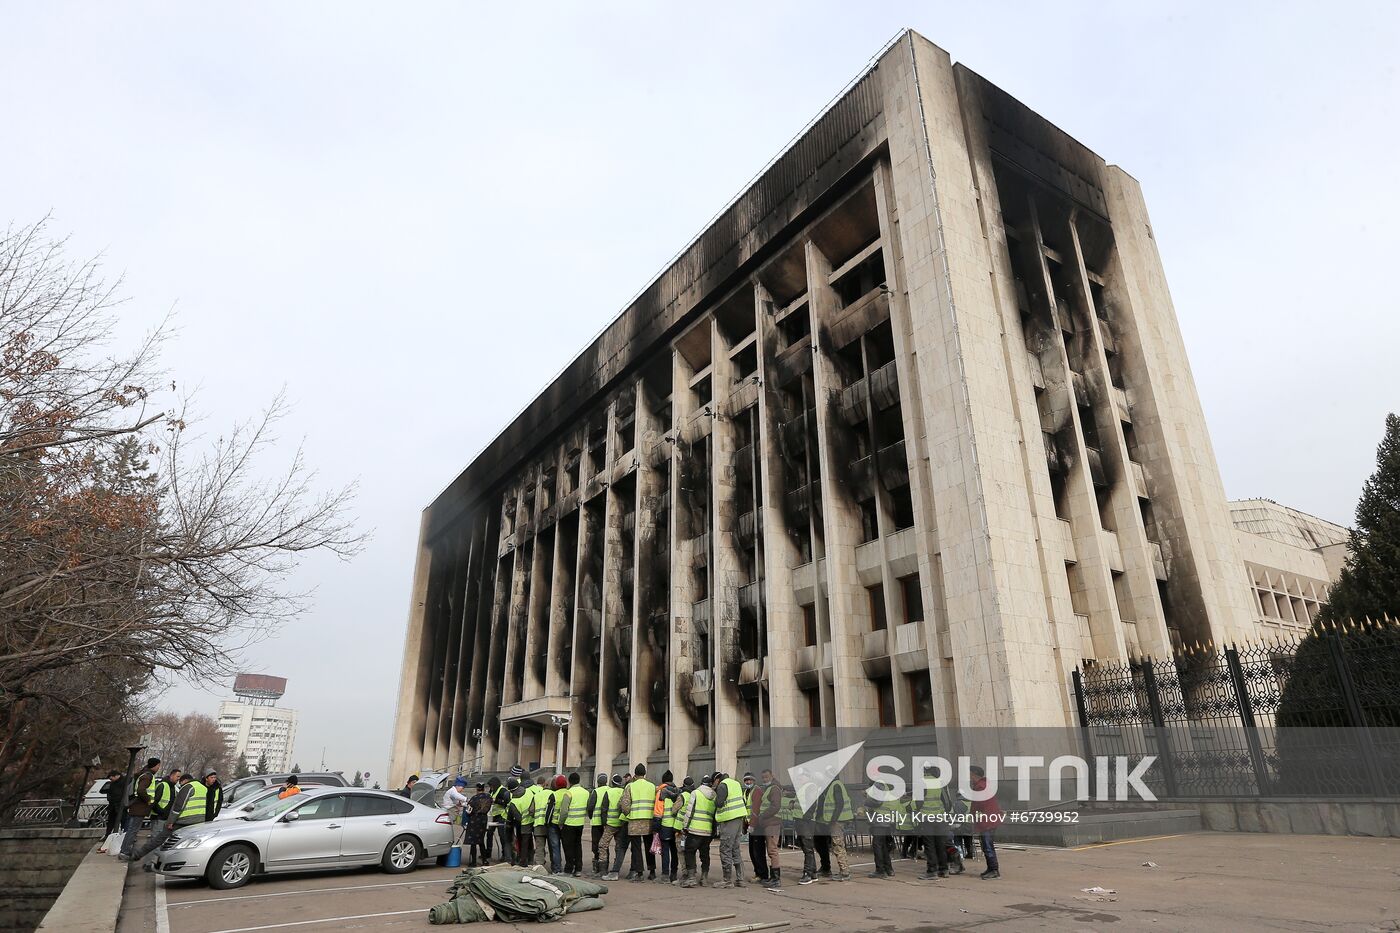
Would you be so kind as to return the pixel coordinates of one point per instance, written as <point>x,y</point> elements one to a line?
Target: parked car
<point>322,827</point>
<point>234,791</point>
<point>249,799</point>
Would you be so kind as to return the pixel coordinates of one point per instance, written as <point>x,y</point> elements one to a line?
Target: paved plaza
<point>1202,881</point>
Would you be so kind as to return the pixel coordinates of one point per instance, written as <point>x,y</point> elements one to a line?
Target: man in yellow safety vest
<point>638,801</point>
<point>575,819</point>
<point>731,816</point>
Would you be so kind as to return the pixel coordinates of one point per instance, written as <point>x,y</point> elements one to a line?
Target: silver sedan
<point>321,827</point>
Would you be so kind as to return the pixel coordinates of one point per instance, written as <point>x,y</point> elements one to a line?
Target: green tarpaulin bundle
<point>505,892</point>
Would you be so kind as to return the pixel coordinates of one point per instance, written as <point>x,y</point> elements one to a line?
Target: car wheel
<point>231,867</point>
<point>402,854</point>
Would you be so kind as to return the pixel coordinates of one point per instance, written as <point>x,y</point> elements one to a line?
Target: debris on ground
<point>1149,864</point>
<point>1098,894</point>
<point>510,893</point>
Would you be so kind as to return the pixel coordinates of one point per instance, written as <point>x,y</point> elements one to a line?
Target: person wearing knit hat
<point>597,804</point>
<point>213,795</point>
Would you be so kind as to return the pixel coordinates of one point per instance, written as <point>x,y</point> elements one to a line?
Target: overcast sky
<point>411,215</point>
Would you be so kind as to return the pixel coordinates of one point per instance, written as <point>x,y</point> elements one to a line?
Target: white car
<point>322,827</point>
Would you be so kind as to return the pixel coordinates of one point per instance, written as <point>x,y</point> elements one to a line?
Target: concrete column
<point>988,542</point>
<point>684,731</point>
<point>779,554</point>
<point>652,592</point>
<point>413,676</point>
<point>613,675</point>
<point>731,721</point>
<point>849,610</point>
<point>1205,587</point>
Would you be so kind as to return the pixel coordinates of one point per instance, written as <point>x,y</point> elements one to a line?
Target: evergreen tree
<point>296,769</point>
<point>376,786</point>
<point>262,763</point>
<point>241,770</point>
<point>359,780</point>
<point>1314,734</point>
<point>1369,585</point>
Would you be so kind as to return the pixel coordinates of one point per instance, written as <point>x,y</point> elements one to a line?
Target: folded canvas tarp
<point>504,892</point>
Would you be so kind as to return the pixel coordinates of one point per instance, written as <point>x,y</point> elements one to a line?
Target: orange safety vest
<point>288,792</point>
<point>660,804</point>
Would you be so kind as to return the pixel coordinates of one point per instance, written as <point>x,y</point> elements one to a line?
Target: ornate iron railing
<point>1314,716</point>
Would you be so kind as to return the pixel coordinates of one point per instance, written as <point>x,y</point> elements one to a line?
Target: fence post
<point>1084,736</point>
<point>1356,714</point>
<point>1159,726</point>
<point>1251,730</point>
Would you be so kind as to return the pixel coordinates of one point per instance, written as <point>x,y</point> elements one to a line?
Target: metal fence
<point>1314,716</point>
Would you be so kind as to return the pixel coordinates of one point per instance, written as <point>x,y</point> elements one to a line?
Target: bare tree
<point>192,742</point>
<point>127,544</point>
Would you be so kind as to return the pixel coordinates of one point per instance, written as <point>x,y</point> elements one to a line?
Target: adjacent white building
<point>254,726</point>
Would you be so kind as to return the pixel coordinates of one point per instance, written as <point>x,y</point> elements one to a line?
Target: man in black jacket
<point>114,790</point>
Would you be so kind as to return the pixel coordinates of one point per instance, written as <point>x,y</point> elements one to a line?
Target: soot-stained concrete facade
<point>903,437</point>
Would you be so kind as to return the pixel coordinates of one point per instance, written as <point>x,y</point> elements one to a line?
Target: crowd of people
<point>665,831</point>
<point>178,799</point>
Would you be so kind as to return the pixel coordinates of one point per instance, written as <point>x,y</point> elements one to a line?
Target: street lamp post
<point>560,723</point>
<point>476,736</point>
<point>132,751</point>
<point>82,790</point>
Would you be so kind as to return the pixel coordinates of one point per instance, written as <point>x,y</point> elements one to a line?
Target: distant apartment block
<point>254,726</point>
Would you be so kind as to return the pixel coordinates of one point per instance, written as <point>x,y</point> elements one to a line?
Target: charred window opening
<point>796,327</point>
<point>746,362</point>
<point>913,598</point>
<point>597,450</point>
<point>813,700</point>
<point>884,692</point>
<point>809,625</point>
<point>736,317</point>
<point>876,595</point>
<point>572,462</point>
<point>889,427</point>
<point>879,346</point>
<point>1059,490</point>
<point>902,507</point>
<point>862,279</point>
<point>704,392</point>
<point>549,488</point>
<point>869,520</point>
<point>850,363</point>
<point>920,698</point>
<point>508,516</point>
<point>626,431</point>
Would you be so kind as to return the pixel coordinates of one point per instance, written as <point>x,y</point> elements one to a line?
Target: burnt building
<point>903,437</point>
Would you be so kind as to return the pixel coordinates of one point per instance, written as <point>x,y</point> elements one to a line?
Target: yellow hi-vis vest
<point>576,806</point>
<point>195,805</point>
<point>558,802</point>
<point>163,796</point>
<point>643,799</point>
<point>529,812</point>
<point>736,806</point>
<point>702,818</point>
<point>599,796</point>
<point>613,803</point>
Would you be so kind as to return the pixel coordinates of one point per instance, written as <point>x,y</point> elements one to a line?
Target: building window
<point>902,508</point>
<point>869,523</point>
<point>877,607</point>
<point>920,698</point>
<point>814,707</point>
<point>913,598</point>
<point>809,624</point>
<point>884,690</point>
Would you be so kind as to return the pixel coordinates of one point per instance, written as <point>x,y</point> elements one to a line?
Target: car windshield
<point>274,807</point>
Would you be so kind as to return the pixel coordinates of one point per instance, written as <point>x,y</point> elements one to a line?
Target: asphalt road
<point>1205,881</point>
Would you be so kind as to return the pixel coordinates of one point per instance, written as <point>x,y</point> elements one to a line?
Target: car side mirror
<point>291,817</point>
